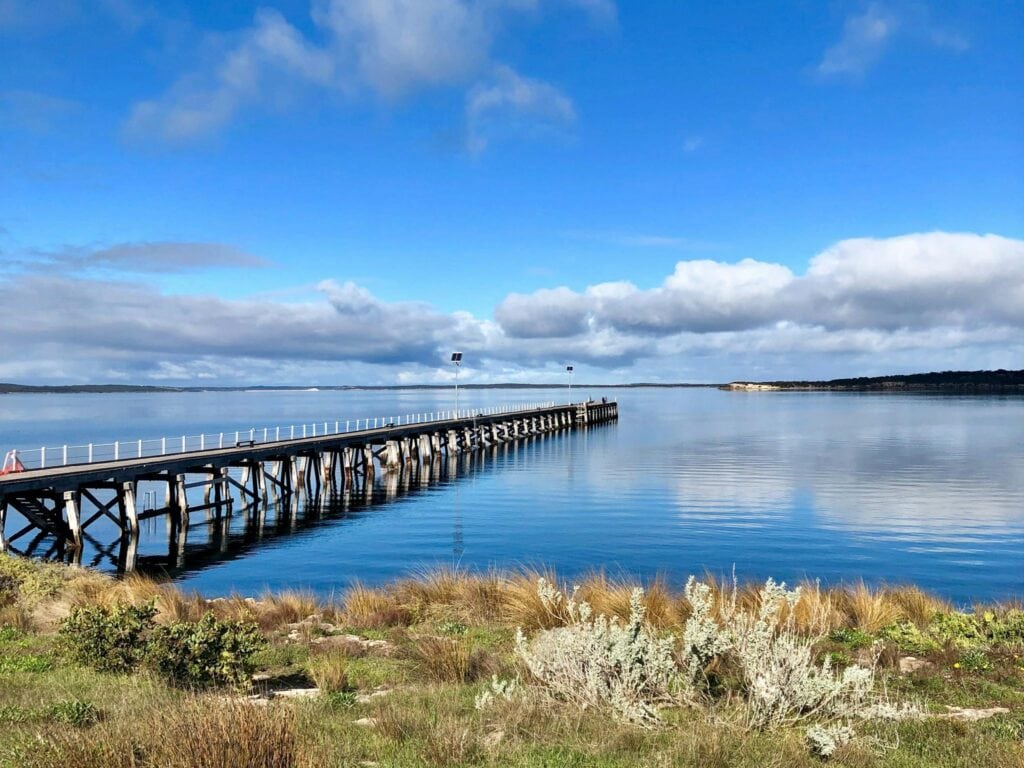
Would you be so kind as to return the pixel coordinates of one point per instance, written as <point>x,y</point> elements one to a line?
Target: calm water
<point>893,488</point>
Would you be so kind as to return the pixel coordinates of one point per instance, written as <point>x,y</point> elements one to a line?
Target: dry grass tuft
<point>226,733</point>
<point>330,671</point>
<point>522,606</point>
<point>18,617</point>
<point>818,610</point>
<point>366,607</point>
<point>212,732</point>
<point>449,660</point>
<point>866,610</point>
<point>275,609</point>
<point>916,605</point>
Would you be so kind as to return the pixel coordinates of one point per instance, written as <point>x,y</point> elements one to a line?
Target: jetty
<point>58,501</point>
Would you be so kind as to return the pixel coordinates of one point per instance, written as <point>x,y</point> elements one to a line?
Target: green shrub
<point>107,639</point>
<point>73,712</point>
<point>26,662</point>
<point>959,629</point>
<point>452,628</point>
<point>907,637</point>
<point>206,652</point>
<point>849,636</point>
<point>974,660</point>
<point>341,699</point>
<point>29,581</point>
<point>1008,628</point>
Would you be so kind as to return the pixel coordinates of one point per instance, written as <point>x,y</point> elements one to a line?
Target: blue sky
<point>341,191</point>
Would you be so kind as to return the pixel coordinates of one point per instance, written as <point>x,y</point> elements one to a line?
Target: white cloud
<point>198,105</point>
<point>399,45</point>
<point>920,281</point>
<point>387,48</point>
<point>869,34</point>
<point>916,302</point>
<point>865,37</point>
<point>509,98</point>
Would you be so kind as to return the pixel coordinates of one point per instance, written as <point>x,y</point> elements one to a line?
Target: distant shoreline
<point>998,381</point>
<point>15,389</point>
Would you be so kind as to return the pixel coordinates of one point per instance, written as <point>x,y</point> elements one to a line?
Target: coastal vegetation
<point>511,669</point>
<point>944,381</point>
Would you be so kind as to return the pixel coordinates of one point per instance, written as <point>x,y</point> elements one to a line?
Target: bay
<point>906,488</point>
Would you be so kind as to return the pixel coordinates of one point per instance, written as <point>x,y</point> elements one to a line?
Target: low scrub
<point>108,639</point>
<point>207,652</point>
<point>734,650</point>
<point>596,661</point>
<point>123,637</point>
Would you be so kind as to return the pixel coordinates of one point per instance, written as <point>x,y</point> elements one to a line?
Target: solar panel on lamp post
<point>569,370</point>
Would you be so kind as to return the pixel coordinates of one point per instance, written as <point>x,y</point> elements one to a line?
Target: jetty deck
<point>59,503</point>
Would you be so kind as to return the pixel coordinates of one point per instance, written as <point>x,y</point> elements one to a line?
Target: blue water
<point>888,488</point>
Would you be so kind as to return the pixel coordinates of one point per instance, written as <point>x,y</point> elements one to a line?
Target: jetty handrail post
<point>252,434</point>
<point>140,449</point>
<point>184,444</point>
<point>163,448</point>
<point>265,434</point>
<point>293,431</point>
<point>117,450</point>
<point>220,443</point>
<point>277,433</point>
<point>90,453</point>
<point>202,442</point>
<point>65,455</point>
<point>42,457</point>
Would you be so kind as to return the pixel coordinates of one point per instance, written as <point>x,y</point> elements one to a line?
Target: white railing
<point>90,453</point>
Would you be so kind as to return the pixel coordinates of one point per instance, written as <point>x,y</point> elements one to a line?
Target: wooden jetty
<point>60,503</point>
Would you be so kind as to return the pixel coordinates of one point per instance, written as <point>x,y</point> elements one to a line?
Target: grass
<point>410,700</point>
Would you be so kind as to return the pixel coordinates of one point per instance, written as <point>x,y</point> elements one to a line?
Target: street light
<point>457,362</point>
<point>569,370</point>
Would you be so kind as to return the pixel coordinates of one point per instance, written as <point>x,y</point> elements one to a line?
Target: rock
<point>297,693</point>
<point>971,715</point>
<point>365,698</point>
<point>354,645</point>
<point>259,677</point>
<point>911,664</point>
<point>368,722</point>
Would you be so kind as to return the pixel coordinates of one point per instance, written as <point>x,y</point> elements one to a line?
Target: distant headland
<point>944,381</point>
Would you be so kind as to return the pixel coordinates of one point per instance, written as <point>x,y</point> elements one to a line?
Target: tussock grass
<point>329,671</point>
<point>449,660</point>
<point>917,606</point>
<point>869,610</point>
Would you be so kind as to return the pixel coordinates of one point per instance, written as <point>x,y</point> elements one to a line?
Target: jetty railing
<point>91,453</point>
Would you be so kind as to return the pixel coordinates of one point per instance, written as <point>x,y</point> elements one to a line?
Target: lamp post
<point>457,362</point>
<point>569,370</point>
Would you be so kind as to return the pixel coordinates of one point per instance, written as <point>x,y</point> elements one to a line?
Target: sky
<point>346,191</point>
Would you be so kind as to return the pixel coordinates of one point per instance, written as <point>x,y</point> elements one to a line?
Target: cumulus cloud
<point>387,48</point>
<point>915,302</point>
<point>547,313</point>
<point>921,281</point>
